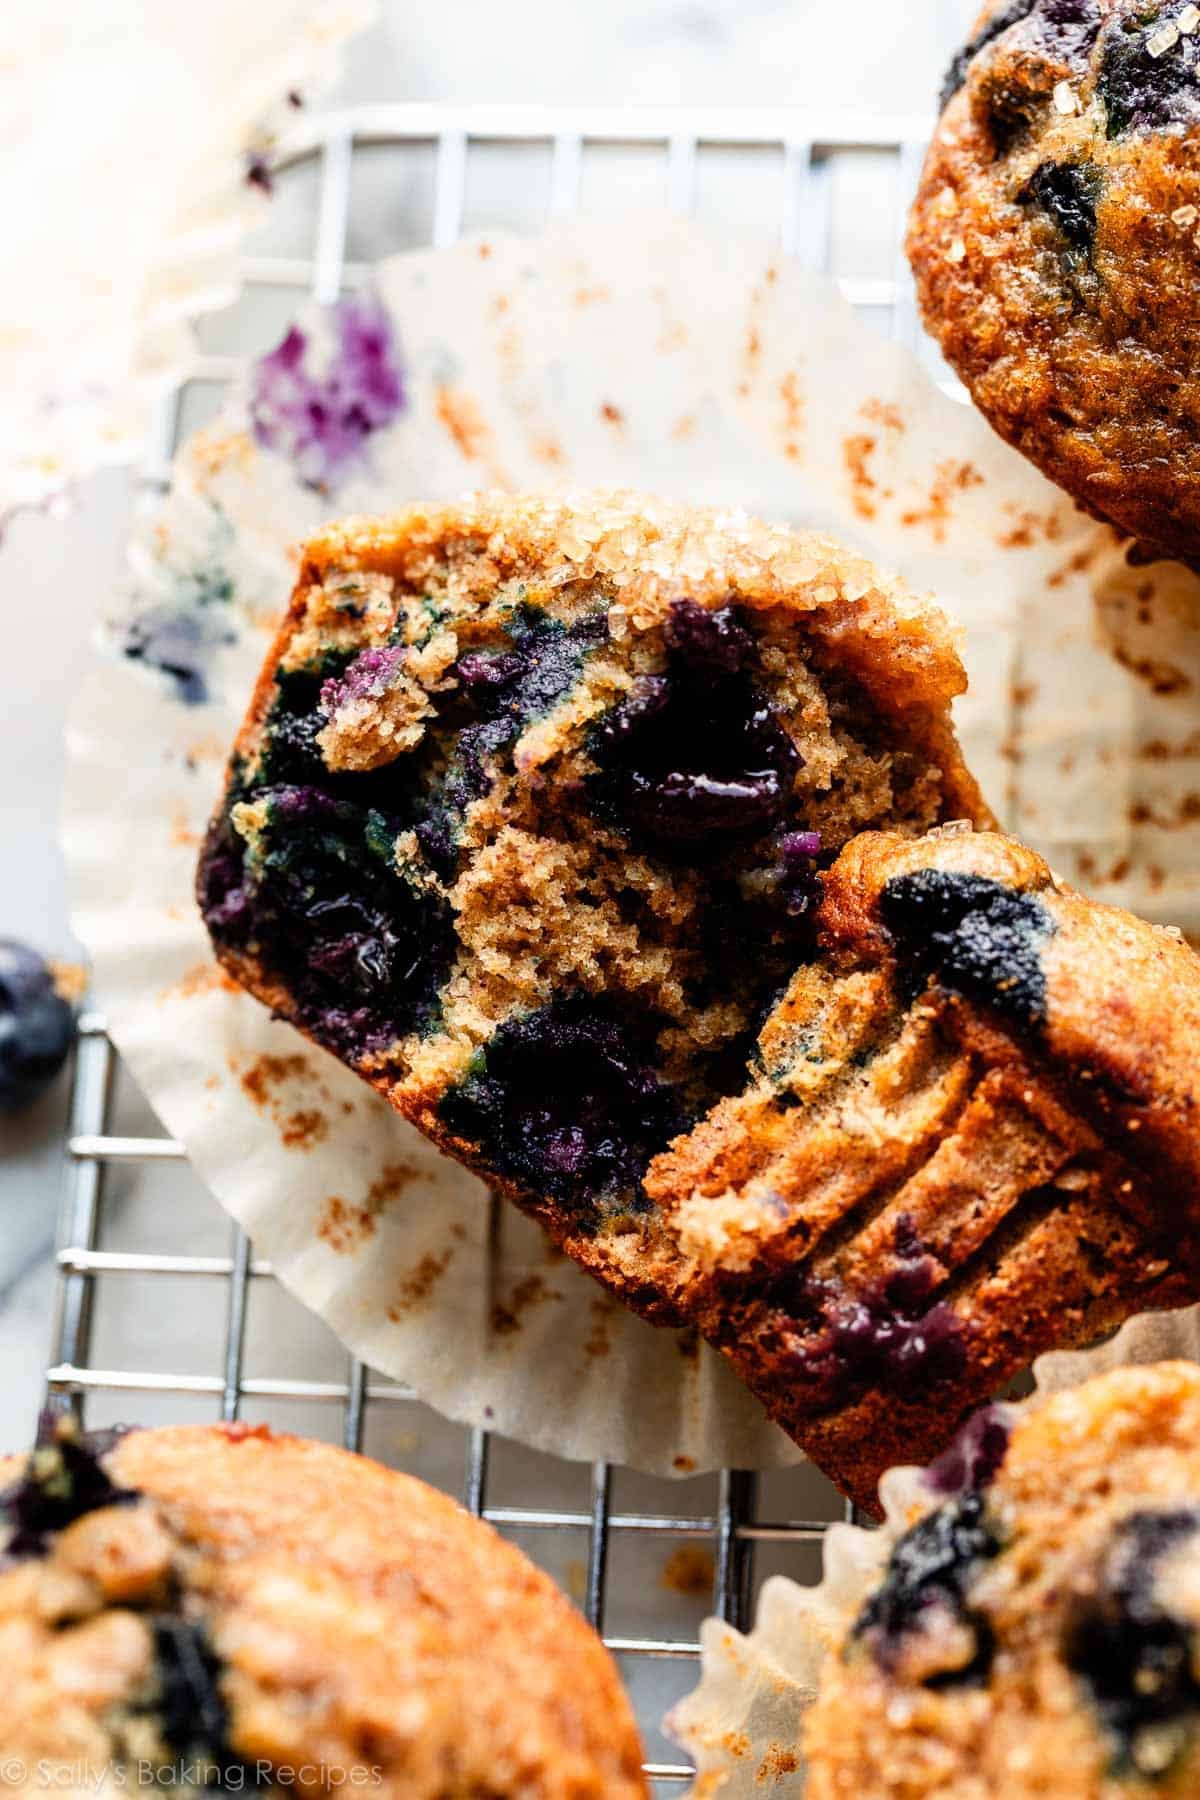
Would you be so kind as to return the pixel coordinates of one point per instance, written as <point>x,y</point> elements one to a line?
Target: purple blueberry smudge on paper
<point>321,419</point>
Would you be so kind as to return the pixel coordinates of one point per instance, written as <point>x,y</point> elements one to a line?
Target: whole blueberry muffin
<point>969,1135</point>
<point>1037,1629</point>
<point>526,821</point>
<point>218,1607</point>
<point>1056,245</point>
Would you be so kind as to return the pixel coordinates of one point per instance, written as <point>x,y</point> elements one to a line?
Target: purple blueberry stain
<point>321,418</point>
<point>976,1456</point>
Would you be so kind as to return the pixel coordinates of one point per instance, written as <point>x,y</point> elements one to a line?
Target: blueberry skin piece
<point>37,1026</point>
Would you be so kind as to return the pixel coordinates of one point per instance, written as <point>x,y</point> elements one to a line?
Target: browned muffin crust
<point>1055,248</point>
<point>974,1138</point>
<point>1037,1631</point>
<point>265,1603</point>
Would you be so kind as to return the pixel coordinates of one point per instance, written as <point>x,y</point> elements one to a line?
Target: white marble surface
<point>872,56</point>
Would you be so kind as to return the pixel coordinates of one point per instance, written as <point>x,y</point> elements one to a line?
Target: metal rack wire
<point>803,156</point>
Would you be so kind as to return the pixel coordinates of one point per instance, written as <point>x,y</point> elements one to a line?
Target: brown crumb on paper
<point>690,1569</point>
<point>201,978</point>
<point>950,478</point>
<point>599,1338</point>
<point>1159,677</point>
<point>388,1186</point>
<point>791,395</point>
<point>342,1226</point>
<point>458,412</point>
<point>416,1287</point>
<point>612,415</point>
<point>1184,812</point>
<point>508,1314</point>
<point>685,1465</point>
<point>299,1127</point>
<point>857,451</point>
<point>183,835</point>
<point>779,1760</point>
<point>882,412</point>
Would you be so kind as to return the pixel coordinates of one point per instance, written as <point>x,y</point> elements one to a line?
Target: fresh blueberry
<point>37,1026</point>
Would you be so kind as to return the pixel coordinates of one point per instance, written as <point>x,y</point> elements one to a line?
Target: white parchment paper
<point>641,353</point>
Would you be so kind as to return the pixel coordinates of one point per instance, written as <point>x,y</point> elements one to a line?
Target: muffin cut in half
<point>1055,245</point>
<point>526,820</point>
<point>970,1136</point>
<point>548,818</point>
<point>270,1613</point>
<point>1036,1630</point>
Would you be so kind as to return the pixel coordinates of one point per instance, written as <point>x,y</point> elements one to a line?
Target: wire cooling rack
<point>139,1239</point>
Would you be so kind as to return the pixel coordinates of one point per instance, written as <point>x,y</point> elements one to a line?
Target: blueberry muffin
<point>526,821</point>
<point>970,1134</point>
<point>1055,241</point>
<point>238,1610</point>
<point>1037,1630</point>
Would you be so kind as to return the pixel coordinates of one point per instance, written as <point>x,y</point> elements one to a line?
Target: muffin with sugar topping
<point>1055,241</point>
<point>1037,1627</point>
<point>216,1607</point>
